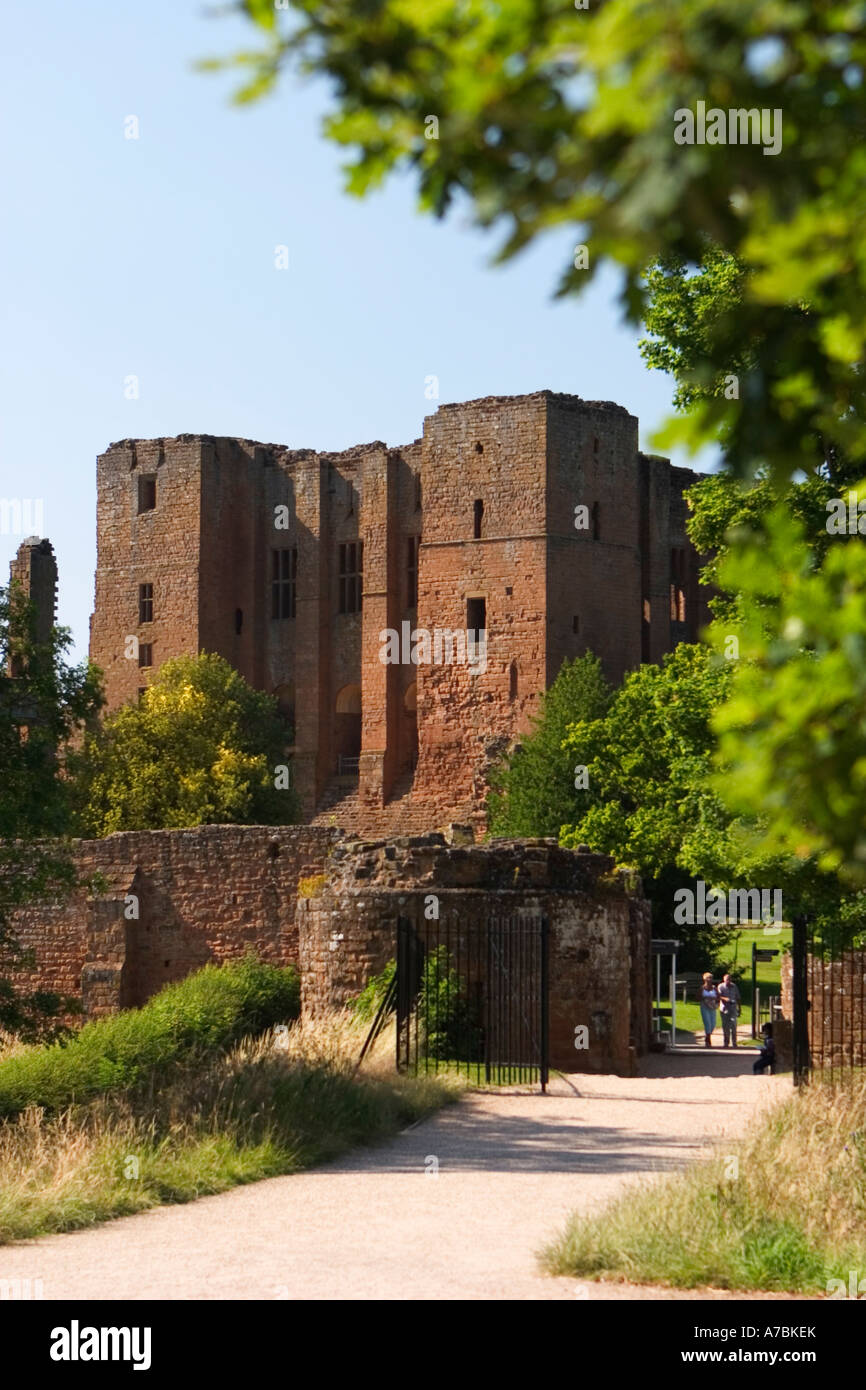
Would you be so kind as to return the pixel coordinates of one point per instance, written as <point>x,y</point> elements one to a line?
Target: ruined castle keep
<point>532,519</point>
<point>407,606</point>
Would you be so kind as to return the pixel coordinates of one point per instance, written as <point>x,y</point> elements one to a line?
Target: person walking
<point>729,999</point>
<point>709,1002</point>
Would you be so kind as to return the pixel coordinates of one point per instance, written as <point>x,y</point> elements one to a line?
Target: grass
<point>206,1012</point>
<point>266,1107</point>
<point>768,978</point>
<point>785,1208</point>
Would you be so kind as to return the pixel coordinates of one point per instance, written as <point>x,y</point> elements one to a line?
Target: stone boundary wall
<point>836,990</point>
<point>599,930</point>
<point>205,894</point>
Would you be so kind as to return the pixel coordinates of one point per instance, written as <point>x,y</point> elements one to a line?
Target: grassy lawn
<point>784,1208</point>
<point>740,958</point>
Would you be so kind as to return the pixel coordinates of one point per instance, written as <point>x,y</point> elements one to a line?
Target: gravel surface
<point>378,1224</point>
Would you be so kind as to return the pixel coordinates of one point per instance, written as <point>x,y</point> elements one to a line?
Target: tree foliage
<point>44,701</point>
<point>549,116</point>
<point>201,747</point>
<point>533,788</point>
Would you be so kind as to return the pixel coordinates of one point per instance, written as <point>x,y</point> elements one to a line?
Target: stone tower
<point>35,569</point>
<point>534,519</point>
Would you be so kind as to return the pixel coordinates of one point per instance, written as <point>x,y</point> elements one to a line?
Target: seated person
<point>767,1055</point>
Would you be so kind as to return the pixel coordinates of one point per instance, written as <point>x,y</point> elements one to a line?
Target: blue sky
<point>155,258</point>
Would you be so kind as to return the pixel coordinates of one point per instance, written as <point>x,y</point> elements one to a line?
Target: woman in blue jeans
<point>709,1002</point>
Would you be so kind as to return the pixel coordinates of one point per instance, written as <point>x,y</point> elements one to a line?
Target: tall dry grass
<point>270,1106</point>
<point>783,1209</point>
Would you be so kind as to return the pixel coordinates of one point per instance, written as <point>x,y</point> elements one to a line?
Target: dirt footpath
<point>454,1208</point>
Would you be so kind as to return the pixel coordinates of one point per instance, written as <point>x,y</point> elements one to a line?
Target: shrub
<point>208,1012</point>
<point>367,1004</point>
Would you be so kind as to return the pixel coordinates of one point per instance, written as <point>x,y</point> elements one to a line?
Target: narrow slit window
<point>412,572</point>
<point>284,583</point>
<point>145,603</point>
<point>351,567</point>
<point>478,516</point>
<point>147,492</point>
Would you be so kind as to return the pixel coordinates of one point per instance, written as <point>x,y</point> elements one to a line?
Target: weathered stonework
<point>836,990</point>
<point>202,895</point>
<point>187,529</point>
<point>599,930</point>
<point>304,895</point>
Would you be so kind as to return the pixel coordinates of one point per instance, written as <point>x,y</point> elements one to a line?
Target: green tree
<point>533,789</point>
<point>201,747</point>
<point>658,804</point>
<point>44,702</point>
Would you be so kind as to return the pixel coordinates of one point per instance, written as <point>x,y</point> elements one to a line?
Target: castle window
<point>146,492</point>
<point>575,623</point>
<point>351,576</point>
<point>350,498</point>
<point>595,529</point>
<point>145,653</point>
<point>595,445</point>
<point>417,492</point>
<point>145,603</point>
<point>512,681</point>
<point>479,448</point>
<point>284,582</point>
<point>476,614</point>
<point>479,513</point>
<point>239,621</point>
<point>412,572</point>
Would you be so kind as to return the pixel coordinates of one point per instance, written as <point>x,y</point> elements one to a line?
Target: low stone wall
<point>599,930</point>
<point>162,903</point>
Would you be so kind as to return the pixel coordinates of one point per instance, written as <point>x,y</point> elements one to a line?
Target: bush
<point>368,1002</point>
<point>206,1013</point>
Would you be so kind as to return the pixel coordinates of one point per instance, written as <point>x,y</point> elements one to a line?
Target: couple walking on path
<point>725,996</point>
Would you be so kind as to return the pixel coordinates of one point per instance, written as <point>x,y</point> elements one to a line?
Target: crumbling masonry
<point>534,518</point>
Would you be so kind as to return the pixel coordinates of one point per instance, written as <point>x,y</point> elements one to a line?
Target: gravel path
<point>377,1224</point>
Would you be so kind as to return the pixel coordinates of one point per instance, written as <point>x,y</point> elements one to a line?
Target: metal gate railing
<point>474,998</point>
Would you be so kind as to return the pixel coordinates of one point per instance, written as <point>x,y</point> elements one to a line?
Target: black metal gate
<point>828,989</point>
<point>474,998</point>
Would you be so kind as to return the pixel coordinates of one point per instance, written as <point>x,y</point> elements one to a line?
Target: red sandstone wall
<point>492,450</point>
<point>594,579</point>
<point>552,592</point>
<point>160,547</point>
<point>206,894</point>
